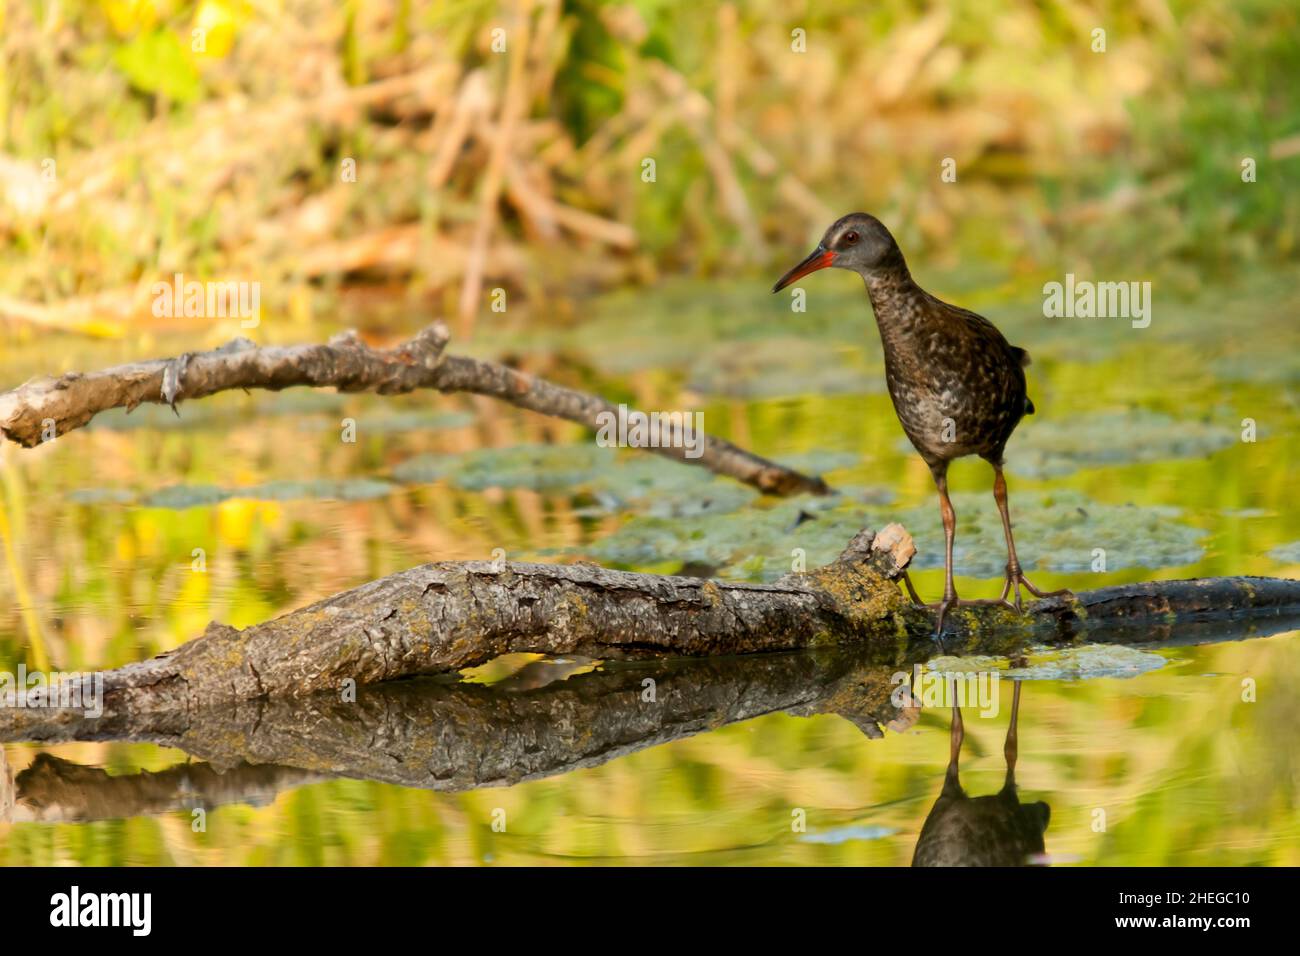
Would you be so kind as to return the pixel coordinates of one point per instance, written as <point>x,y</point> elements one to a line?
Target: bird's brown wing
<point>983,329</point>
<point>988,331</point>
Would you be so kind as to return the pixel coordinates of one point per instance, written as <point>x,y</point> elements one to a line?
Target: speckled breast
<point>947,416</point>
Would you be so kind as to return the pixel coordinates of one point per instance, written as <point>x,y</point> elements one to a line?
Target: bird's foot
<point>949,602</point>
<point>937,637</point>
<point>1015,579</point>
<point>943,605</point>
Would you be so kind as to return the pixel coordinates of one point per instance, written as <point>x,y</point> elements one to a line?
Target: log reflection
<point>994,830</point>
<point>446,735</point>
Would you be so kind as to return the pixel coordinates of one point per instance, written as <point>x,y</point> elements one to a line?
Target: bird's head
<point>858,242</point>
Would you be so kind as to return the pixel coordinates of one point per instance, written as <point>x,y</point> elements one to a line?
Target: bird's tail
<point>1022,357</point>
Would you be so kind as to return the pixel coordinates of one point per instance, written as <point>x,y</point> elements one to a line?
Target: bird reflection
<point>996,830</point>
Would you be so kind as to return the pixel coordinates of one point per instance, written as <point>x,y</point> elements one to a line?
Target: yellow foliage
<point>236,518</point>
<point>131,16</point>
<point>219,22</point>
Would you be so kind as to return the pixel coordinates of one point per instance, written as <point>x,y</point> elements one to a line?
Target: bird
<point>957,385</point>
<point>996,830</point>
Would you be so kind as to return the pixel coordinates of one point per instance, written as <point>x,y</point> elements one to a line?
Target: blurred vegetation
<point>227,163</point>
<point>147,137</point>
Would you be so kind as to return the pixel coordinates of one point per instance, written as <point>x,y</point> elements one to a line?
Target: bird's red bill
<point>820,259</point>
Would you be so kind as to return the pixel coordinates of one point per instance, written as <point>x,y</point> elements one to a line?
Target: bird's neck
<point>899,304</point>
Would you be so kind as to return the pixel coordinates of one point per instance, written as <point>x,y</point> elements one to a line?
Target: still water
<point>1162,452</point>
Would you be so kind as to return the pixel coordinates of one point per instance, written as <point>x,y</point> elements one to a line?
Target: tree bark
<point>440,618</point>
<point>456,736</point>
<point>46,408</point>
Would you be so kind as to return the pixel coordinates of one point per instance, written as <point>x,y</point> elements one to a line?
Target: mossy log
<point>441,618</point>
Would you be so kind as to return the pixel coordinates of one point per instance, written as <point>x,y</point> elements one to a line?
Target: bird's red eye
<point>850,237</point>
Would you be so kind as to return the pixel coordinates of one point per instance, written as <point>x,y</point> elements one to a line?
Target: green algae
<point>1286,553</point>
<point>179,497</point>
<point>757,543</point>
<point>1044,449</point>
<point>1085,662</point>
<point>1118,438</point>
<point>786,367</point>
<point>1061,531</point>
<point>1088,662</point>
<point>537,467</point>
<point>616,481</point>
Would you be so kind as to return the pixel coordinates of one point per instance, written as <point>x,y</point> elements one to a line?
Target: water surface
<point>1138,464</point>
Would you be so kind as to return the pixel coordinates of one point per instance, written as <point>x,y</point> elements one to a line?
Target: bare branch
<point>45,408</point>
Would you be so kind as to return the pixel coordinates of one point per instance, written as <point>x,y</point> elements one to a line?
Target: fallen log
<point>45,408</point>
<point>455,736</point>
<point>441,618</point>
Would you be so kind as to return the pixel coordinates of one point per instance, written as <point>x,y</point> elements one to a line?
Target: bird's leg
<point>949,531</point>
<point>949,517</point>
<point>956,735</point>
<point>1011,748</point>
<point>1015,575</point>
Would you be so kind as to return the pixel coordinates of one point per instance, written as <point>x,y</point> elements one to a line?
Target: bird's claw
<point>1015,579</point>
<point>949,600</point>
<point>954,601</point>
